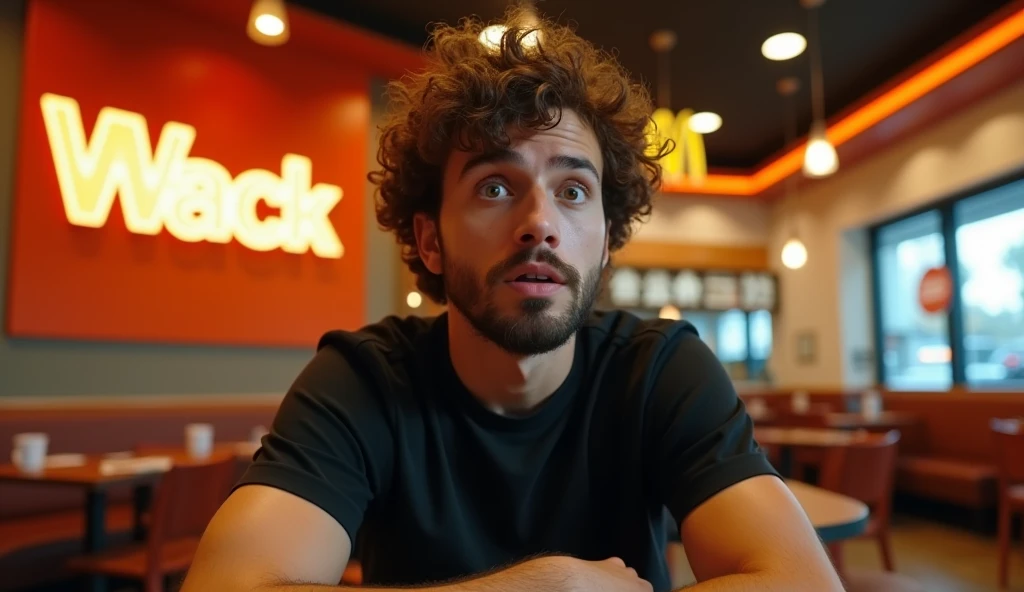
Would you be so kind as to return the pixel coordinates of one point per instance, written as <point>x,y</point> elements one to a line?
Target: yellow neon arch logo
<point>687,160</point>
<point>195,199</point>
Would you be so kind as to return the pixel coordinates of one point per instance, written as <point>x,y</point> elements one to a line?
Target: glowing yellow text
<point>195,199</point>
<point>688,158</point>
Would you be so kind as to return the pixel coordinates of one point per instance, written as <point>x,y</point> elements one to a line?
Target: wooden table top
<point>806,436</point>
<point>883,420</point>
<point>834,516</point>
<point>93,471</point>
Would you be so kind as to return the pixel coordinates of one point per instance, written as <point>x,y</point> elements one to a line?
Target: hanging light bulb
<point>820,158</point>
<point>794,253</point>
<point>268,22</point>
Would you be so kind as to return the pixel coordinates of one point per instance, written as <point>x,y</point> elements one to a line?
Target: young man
<point>518,442</point>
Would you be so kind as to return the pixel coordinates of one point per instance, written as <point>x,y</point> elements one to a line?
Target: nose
<point>539,220</point>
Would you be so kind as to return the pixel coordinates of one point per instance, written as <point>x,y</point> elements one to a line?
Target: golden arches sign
<point>687,159</point>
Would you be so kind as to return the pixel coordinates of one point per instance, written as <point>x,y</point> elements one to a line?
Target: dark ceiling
<point>717,63</point>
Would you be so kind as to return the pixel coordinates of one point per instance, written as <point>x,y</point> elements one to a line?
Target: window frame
<point>954,317</point>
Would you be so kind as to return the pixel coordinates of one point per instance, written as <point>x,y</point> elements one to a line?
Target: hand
<point>610,575</point>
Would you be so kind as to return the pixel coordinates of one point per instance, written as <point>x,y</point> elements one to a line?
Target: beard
<point>533,330</point>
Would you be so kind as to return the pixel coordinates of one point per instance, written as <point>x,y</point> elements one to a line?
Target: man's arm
<point>755,536</point>
<point>740,525</point>
<point>267,540</point>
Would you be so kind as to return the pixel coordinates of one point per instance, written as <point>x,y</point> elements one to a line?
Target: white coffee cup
<point>199,440</point>
<point>871,404</point>
<point>29,453</point>
<point>800,402</point>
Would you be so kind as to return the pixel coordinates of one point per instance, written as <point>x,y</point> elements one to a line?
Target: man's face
<point>522,237</point>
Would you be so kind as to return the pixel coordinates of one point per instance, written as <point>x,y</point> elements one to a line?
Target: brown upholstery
<point>112,428</point>
<point>950,457</point>
<point>961,482</point>
<point>43,524</point>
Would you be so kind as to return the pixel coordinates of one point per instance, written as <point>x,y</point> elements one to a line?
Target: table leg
<point>141,499</point>
<point>785,462</point>
<point>96,532</point>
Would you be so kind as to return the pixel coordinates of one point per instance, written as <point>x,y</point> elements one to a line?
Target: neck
<point>506,383</point>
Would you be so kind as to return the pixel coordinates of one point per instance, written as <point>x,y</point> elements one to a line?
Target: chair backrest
<point>815,418</point>
<point>865,470</point>
<point>186,499</point>
<point>1008,436</point>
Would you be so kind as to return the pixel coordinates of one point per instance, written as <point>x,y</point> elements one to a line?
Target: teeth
<point>533,276</point>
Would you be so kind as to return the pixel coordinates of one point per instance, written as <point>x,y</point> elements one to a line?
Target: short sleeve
<point>699,435</point>
<point>330,443</point>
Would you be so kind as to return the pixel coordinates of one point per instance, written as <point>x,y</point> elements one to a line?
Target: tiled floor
<point>942,558</point>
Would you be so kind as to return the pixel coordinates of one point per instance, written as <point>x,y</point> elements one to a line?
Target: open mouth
<point>534,279</point>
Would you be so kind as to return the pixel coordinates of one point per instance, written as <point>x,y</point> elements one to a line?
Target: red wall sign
<point>179,183</point>
<point>935,293</point>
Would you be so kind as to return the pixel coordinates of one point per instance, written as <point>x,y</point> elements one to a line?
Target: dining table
<point>835,517</point>
<point>97,474</point>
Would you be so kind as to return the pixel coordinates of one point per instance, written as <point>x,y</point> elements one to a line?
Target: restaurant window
<point>990,250</point>
<point>915,344</point>
<point>976,336</point>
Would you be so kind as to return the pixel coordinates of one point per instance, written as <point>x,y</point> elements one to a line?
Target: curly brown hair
<point>471,95</point>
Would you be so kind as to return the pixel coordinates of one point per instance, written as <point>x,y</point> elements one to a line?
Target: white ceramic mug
<point>199,440</point>
<point>29,453</point>
<point>871,404</point>
<point>801,402</point>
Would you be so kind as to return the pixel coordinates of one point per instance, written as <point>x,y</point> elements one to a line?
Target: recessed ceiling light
<point>784,46</point>
<point>705,122</point>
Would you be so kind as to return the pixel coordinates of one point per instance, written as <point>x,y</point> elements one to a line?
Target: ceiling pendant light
<point>794,253</point>
<point>820,157</point>
<point>268,22</point>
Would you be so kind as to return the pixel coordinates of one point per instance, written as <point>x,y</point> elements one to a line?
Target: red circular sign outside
<point>936,290</point>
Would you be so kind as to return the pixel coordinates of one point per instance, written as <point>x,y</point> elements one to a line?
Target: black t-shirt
<point>380,433</point>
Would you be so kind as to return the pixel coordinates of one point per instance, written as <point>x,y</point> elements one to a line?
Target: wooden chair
<point>184,502</point>
<point>805,458</point>
<point>1009,456</point>
<point>865,470</point>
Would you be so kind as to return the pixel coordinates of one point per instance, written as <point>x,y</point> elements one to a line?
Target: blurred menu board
<point>692,290</point>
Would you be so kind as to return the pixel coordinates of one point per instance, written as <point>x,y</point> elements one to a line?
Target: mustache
<point>534,254</point>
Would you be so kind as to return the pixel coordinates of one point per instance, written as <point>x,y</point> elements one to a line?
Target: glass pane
<point>990,246</point>
<point>915,344</point>
<point>760,335</point>
<point>732,336</point>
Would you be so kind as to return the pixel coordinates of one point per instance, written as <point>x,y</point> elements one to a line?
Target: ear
<point>605,255</point>
<point>428,242</point>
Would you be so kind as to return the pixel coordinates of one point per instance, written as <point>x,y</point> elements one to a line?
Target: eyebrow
<point>511,156</point>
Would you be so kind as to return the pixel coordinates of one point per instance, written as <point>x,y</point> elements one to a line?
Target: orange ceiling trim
<point>870,114</point>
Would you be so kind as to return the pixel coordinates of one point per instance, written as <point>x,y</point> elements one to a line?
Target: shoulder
<point>391,341</point>
<point>651,340</point>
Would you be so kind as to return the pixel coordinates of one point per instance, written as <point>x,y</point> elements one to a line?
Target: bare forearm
<point>521,577</point>
<point>771,582</point>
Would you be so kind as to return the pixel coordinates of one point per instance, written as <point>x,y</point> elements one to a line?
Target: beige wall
<point>831,294</point>
<point>693,219</point>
